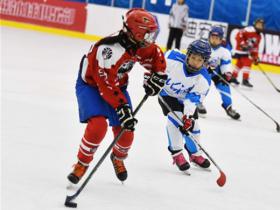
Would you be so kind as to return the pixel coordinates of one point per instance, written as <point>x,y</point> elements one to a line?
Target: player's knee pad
<point>174,136</point>
<point>96,129</point>
<point>94,134</point>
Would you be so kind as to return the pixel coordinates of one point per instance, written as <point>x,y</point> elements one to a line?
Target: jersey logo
<point>178,87</point>
<point>126,67</point>
<point>107,53</point>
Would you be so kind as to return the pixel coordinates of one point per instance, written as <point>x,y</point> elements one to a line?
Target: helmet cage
<point>141,26</point>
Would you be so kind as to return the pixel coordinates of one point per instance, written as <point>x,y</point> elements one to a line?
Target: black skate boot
<point>234,81</point>
<point>232,113</point>
<point>246,83</point>
<point>119,167</point>
<point>200,161</point>
<point>201,109</point>
<point>77,173</point>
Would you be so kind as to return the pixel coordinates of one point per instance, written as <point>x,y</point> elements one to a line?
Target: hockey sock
<point>95,132</point>
<point>122,146</point>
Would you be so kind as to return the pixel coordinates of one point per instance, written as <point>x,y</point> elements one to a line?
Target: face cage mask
<point>149,38</point>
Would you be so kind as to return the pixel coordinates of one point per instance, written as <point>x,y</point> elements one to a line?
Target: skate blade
<point>186,172</point>
<point>71,186</point>
<point>200,168</point>
<point>202,115</point>
<point>235,119</point>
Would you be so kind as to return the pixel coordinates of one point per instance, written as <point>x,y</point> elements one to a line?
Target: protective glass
<point>150,37</point>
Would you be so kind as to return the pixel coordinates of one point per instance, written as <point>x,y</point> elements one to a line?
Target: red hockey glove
<point>188,125</point>
<point>256,60</point>
<point>227,76</point>
<point>153,83</point>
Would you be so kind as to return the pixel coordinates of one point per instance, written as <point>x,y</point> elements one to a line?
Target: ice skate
<point>180,161</point>
<point>119,167</point>
<point>77,173</point>
<point>245,82</point>
<point>200,161</point>
<point>232,113</point>
<point>201,110</point>
<point>234,81</point>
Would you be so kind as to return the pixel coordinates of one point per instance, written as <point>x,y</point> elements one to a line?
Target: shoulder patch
<point>107,53</point>
<point>176,55</point>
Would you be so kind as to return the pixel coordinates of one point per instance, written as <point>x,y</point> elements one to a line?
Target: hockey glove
<point>227,77</point>
<point>256,61</point>
<point>125,117</point>
<point>153,83</point>
<point>188,125</point>
<point>212,65</point>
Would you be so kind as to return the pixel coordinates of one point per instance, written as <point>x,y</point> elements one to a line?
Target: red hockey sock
<point>95,132</point>
<point>246,75</point>
<point>121,148</point>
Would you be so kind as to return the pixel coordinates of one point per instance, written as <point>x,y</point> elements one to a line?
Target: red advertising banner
<point>51,13</point>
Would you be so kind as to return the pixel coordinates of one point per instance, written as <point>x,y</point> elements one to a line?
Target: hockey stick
<point>69,198</point>
<point>248,99</point>
<point>268,78</point>
<point>222,178</point>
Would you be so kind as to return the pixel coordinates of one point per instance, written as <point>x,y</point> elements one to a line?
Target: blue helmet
<point>217,31</point>
<point>199,47</point>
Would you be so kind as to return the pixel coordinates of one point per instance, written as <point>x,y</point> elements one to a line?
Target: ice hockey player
<point>187,85</point>
<point>101,88</point>
<point>246,52</point>
<point>220,69</point>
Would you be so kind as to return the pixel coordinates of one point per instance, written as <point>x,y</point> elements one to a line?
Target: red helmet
<point>141,26</point>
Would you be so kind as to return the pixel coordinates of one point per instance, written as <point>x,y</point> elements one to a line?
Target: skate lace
<point>232,112</point>
<point>197,159</point>
<point>119,166</point>
<point>79,169</point>
<point>179,160</point>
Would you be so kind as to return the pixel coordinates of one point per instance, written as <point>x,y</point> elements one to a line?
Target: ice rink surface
<point>41,134</point>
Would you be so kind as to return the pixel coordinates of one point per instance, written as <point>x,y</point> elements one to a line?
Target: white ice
<point>41,134</point>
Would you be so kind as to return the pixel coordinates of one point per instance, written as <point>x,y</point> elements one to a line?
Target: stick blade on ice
<point>222,179</point>
<point>277,127</point>
<point>69,203</point>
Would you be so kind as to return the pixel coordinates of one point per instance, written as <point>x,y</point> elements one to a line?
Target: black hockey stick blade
<point>69,201</point>
<point>277,127</point>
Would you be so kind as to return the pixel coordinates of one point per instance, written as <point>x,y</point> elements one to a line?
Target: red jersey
<point>108,64</point>
<point>248,40</point>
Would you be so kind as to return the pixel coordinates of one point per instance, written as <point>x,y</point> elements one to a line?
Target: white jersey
<point>189,88</point>
<point>221,60</point>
